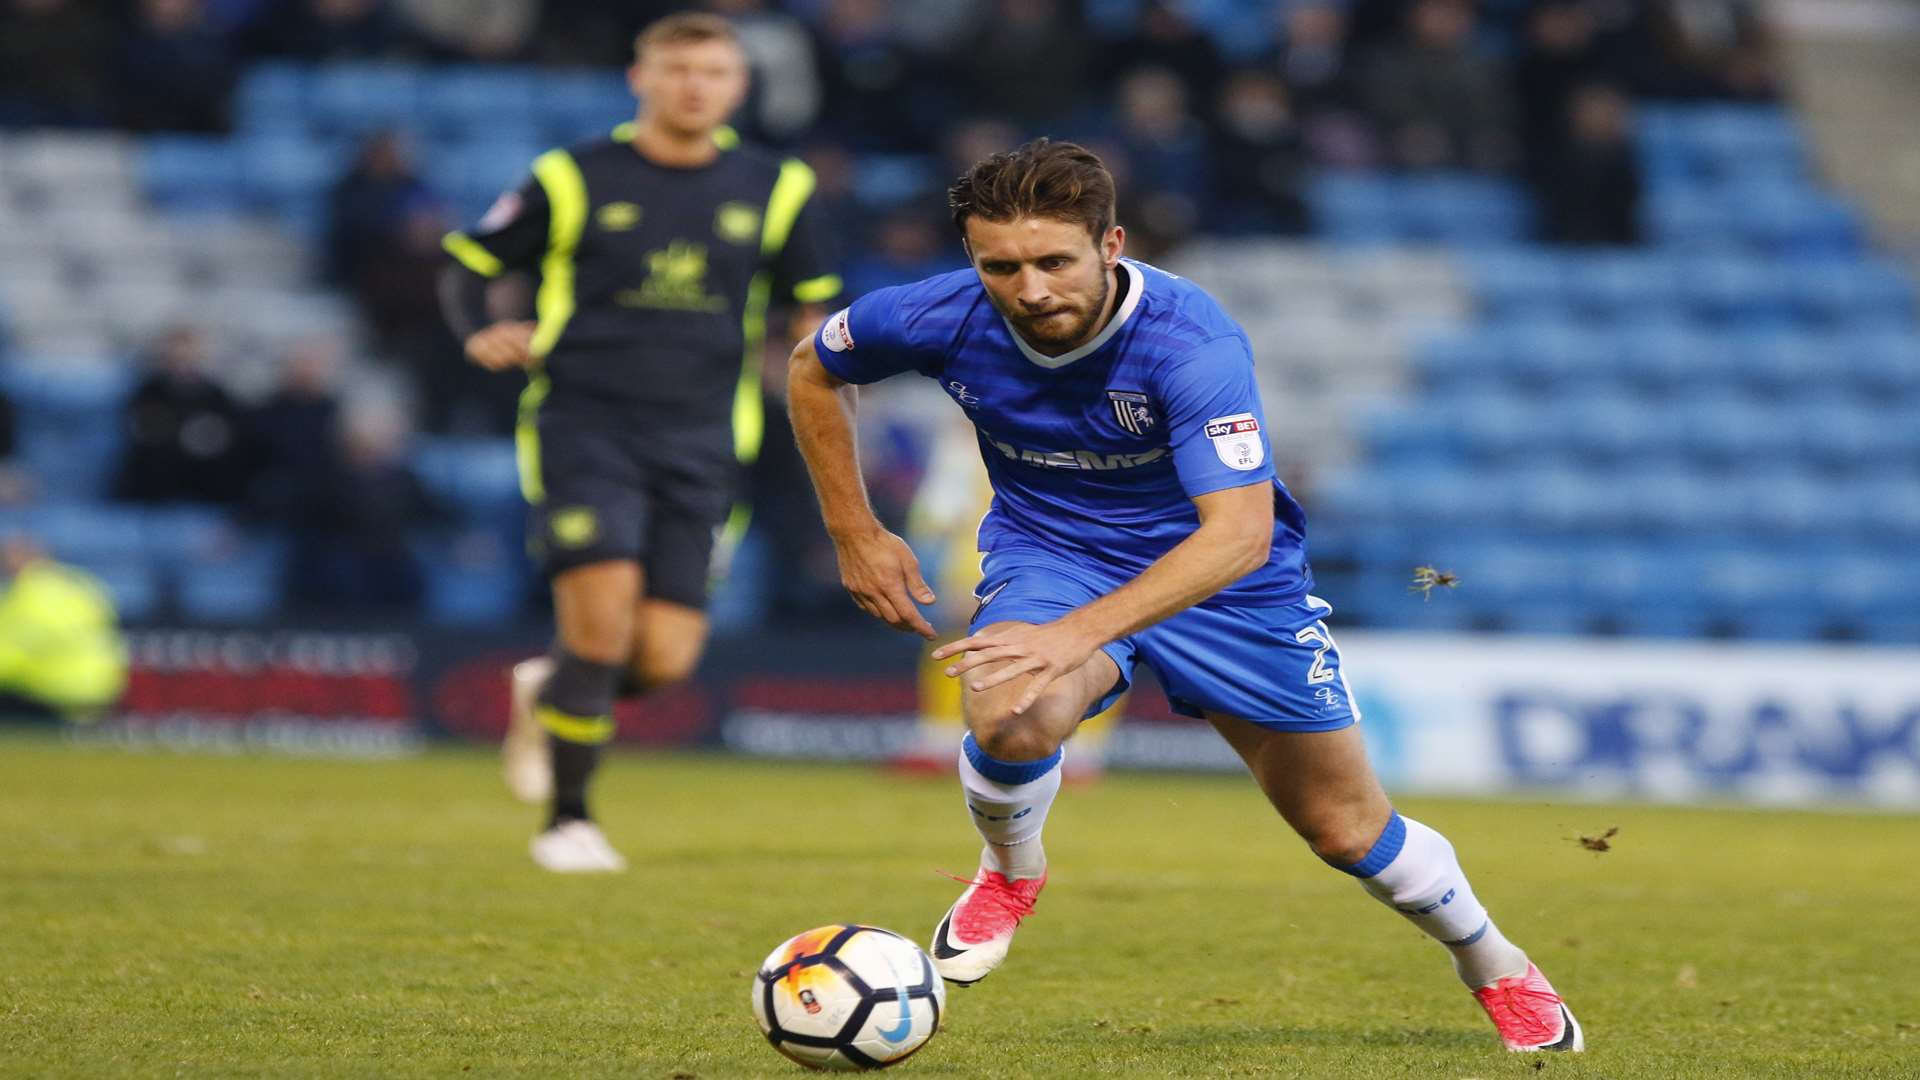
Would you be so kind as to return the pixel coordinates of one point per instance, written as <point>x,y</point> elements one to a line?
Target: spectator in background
<point>1166,150</point>
<point>16,486</point>
<point>870,79</point>
<point>1032,63</point>
<point>786,94</point>
<point>1257,159</point>
<point>295,431</point>
<point>61,656</point>
<point>1165,37</point>
<point>352,538</point>
<point>369,207</point>
<point>1591,193</point>
<point>1313,59</point>
<point>331,30</point>
<point>185,434</point>
<point>1726,47</point>
<point>1438,101</point>
<point>176,71</point>
<point>490,30</point>
<point>596,33</point>
<point>1557,56</point>
<point>54,60</point>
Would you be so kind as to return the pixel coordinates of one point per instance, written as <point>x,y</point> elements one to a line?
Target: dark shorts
<point>606,486</point>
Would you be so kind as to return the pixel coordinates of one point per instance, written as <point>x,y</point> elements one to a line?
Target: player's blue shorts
<point>1276,666</point>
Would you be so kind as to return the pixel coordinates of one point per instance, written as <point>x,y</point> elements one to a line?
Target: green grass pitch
<point>202,916</point>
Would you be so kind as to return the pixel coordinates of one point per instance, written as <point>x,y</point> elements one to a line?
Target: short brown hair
<point>686,28</point>
<point>1060,180</point>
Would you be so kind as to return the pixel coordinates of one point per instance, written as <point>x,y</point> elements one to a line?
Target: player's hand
<point>1045,651</point>
<point>880,573</point>
<point>502,346</point>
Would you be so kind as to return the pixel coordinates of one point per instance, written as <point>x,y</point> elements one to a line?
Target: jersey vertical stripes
<point>1099,452</point>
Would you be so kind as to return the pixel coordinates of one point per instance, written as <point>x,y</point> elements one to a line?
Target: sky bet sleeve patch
<point>836,335</point>
<point>1236,439</point>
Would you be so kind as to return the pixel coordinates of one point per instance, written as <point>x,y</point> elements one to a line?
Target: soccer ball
<point>848,998</point>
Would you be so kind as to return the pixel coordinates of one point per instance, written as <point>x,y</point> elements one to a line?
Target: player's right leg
<point>593,615</point>
<point>1010,770</point>
<point>1010,765</point>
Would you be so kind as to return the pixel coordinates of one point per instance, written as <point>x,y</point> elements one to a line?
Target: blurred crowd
<point>1213,117</point>
<point>1209,111</point>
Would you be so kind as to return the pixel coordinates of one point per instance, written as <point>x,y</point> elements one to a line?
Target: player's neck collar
<point>1132,283</point>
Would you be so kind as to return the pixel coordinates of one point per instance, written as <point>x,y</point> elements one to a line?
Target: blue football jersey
<point>1098,452</point>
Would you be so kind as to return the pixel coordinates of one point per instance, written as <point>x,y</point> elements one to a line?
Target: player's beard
<point>1041,332</point>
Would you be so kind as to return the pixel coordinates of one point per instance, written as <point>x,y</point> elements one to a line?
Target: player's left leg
<point>669,638</point>
<point>1269,678</point>
<point>1321,783</point>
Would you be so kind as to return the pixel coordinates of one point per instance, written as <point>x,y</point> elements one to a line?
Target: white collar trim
<point>1135,285</point>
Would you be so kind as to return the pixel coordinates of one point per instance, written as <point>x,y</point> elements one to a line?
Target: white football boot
<point>576,847</point>
<point>525,759</point>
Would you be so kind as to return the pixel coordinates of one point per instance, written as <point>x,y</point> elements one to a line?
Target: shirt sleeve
<point>512,235</point>
<point>1215,424</point>
<point>875,338</point>
<point>807,269</point>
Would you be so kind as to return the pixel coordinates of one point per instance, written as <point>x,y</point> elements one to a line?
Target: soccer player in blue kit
<point>1136,519</point>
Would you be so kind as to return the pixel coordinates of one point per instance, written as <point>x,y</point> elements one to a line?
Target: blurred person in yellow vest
<point>946,512</point>
<point>61,655</point>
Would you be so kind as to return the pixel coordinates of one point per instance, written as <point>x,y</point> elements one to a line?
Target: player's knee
<point>1007,737</point>
<point>655,671</point>
<point>1342,842</point>
<point>607,643</point>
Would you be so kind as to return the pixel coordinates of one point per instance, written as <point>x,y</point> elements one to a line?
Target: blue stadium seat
<point>1839,290</point>
<point>241,585</point>
<point>475,477</point>
<point>464,596</point>
<point>1618,286</point>
<point>272,98</point>
<point>478,101</point>
<point>1796,220</point>
<point>185,532</point>
<point>579,105</point>
<point>191,172</point>
<point>70,433</point>
<point>1355,209</point>
<point>1512,282</point>
<point>283,169</point>
<point>1463,210</point>
<point>95,534</point>
<point>1883,362</point>
<point>1735,288</point>
<point>362,98</point>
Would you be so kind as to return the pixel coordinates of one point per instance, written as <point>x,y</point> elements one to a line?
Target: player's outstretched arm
<point>877,568</point>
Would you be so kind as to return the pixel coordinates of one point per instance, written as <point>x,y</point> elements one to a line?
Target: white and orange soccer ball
<point>848,997</point>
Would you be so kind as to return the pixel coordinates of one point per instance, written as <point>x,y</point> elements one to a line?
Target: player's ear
<point>1112,245</point>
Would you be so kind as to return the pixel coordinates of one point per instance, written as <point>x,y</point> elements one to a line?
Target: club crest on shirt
<point>1236,439</point>
<point>1132,410</point>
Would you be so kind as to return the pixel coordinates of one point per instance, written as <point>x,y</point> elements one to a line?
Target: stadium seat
<point>363,98</point>
<point>477,101</point>
<point>188,172</point>
<point>237,585</point>
<point>273,99</point>
<point>282,168</point>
